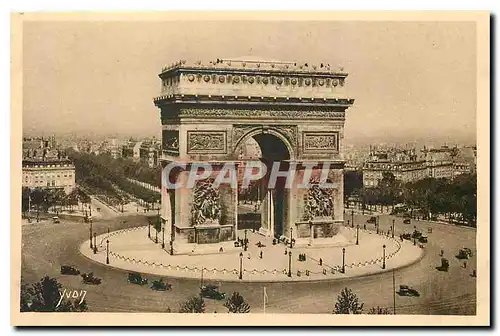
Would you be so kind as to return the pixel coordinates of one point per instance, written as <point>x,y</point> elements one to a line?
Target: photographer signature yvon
<point>71,294</point>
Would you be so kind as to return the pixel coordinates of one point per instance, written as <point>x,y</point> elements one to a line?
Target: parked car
<point>406,221</point>
<point>405,290</point>
<point>56,220</point>
<point>90,279</point>
<point>212,292</point>
<point>372,220</point>
<point>69,270</point>
<point>445,265</point>
<point>136,278</point>
<point>422,239</point>
<point>160,285</point>
<point>406,236</point>
<point>464,253</point>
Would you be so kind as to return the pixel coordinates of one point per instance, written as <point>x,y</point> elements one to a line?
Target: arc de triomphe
<point>295,112</point>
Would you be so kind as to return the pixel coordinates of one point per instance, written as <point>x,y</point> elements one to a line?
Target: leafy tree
<point>379,311</point>
<point>194,304</point>
<point>348,303</point>
<point>44,296</point>
<point>25,199</point>
<point>236,304</point>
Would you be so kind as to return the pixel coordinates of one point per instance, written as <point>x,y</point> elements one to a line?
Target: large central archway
<point>260,207</point>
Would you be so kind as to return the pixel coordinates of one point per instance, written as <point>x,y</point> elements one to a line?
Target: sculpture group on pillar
<point>318,203</point>
<point>206,204</point>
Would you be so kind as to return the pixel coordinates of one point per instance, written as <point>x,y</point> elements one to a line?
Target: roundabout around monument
<point>131,249</point>
<point>47,246</point>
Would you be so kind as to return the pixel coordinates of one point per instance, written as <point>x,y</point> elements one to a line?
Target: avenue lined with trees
<point>103,175</point>
<point>427,198</point>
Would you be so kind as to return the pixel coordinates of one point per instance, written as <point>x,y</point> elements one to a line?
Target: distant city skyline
<point>411,81</point>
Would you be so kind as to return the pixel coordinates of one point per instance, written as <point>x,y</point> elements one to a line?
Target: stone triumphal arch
<point>295,112</point>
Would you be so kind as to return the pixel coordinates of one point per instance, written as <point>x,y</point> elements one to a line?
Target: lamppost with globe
<point>290,264</point>
<point>241,266</point>
<point>383,263</point>
<point>107,251</point>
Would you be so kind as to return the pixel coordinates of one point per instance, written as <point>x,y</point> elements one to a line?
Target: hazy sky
<point>410,80</point>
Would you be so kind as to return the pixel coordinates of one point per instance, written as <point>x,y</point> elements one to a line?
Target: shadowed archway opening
<point>260,207</point>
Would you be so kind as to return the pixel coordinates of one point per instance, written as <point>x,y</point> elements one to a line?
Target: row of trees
<point>455,199</point>
<point>41,199</point>
<point>106,176</point>
<point>235,304</point>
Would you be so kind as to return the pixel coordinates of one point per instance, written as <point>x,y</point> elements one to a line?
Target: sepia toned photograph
<point>250,169</point>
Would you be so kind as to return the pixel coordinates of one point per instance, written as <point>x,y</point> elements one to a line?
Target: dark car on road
<point>90,279</point>
<point>445,265</point>
<point>423,239</point>
<point>372,220</point>
<point>160,285</point>
<point>137,279</point>
<point>406,221</point>
<point>212,292</point>
<point>464,253</point>
<point>405,290</point>
<point>69,270</point>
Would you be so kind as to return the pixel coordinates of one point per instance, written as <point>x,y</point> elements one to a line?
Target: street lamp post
<point>95,243</point>
<point>241,266</point>
<point>343,260</point>
<point>377,224</point>
<point>290,264</point>
<point>107,251</point>
<point>291,237</point>
<point>357,234</point>
<point>383,263</point>
<point>352,218</point>
<point>246,244</point>
<point>393,226</point>
<point>149,229</point>
<point>171,247</point>
<point>163,239</point>
<point>91,246</point>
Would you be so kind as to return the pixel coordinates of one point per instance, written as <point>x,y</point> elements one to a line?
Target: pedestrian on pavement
<point>286,251</point>
<point>260,254</point>
<point>320,262</point>
<point>465,264</point>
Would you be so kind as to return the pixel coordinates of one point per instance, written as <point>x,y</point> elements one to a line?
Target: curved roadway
<point>47,246</point>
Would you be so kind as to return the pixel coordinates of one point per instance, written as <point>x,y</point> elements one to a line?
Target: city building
<point>48,174</point>
<point>149,152</point>
<point>439,162</point>
<point>405,165</point>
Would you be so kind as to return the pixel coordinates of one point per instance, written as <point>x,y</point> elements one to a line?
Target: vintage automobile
<point>372,220</point>
<point>69,270</point>
<point>422,239</point>
<point>160,285</point>
<point>137,279</point>
<point>212,292</point>
<point>406,236</point>
<point>56,220</point>
<point>406,221</point>
<point>90,279</point>
<point>464,253</point>
<point>237,244</point>
<point>405,290</point>
<point>445,265</point>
